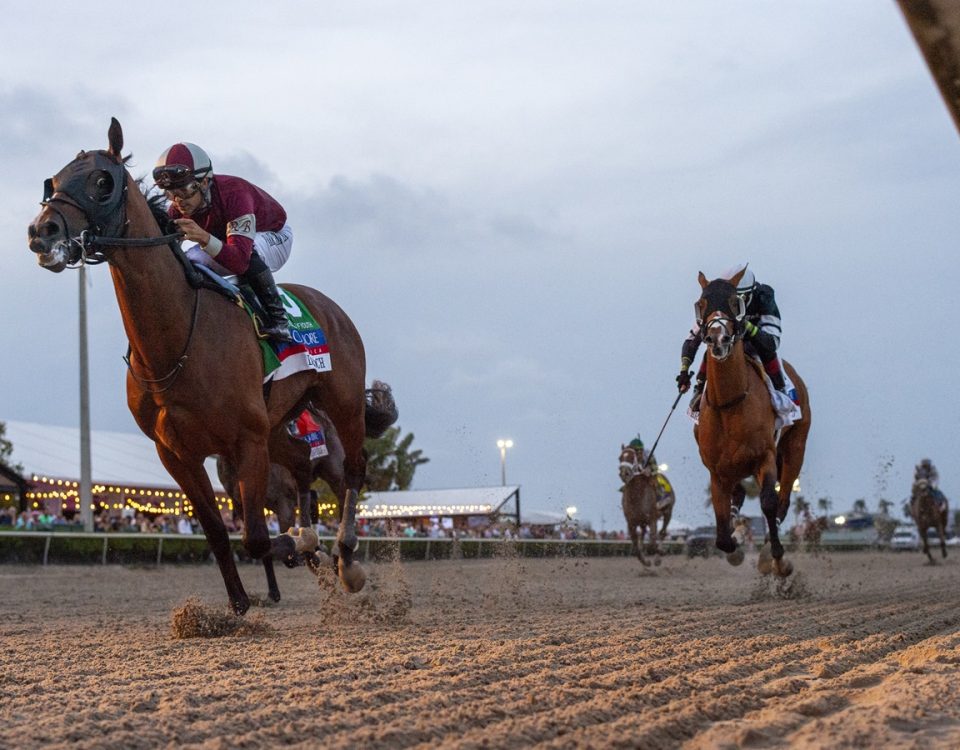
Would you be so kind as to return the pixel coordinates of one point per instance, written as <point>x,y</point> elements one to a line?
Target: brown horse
<point>639,501</point>
<point>288,486</point>
<point>809,532</point>
<point>928,513</point>
<point>195,378</point>
<point>736,433</point>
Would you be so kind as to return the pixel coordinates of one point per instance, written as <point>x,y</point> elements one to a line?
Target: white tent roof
<point>116,457</point>
<point>467,501</point>
<point>542,517</point>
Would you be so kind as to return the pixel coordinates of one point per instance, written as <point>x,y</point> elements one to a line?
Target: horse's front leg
<point>720,494</point>
<point>770,504</point>
<point>195,483</point>
<point>926,545</point>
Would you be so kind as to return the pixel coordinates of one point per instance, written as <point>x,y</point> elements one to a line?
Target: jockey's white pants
<point>273,247</point>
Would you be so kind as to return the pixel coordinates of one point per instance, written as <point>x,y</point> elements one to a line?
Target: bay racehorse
<point>288,494</point>
<point>195,376</point>
<point>929,510</point>
<point>736,430</point>
<point>639,502</point>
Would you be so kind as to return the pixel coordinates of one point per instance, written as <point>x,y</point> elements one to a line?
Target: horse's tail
<point>381,411</point>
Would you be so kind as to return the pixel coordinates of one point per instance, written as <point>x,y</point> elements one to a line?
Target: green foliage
<point>391,463</point>
<point>6,450</point>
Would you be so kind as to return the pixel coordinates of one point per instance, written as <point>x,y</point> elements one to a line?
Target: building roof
<point>467,501</point>
<point>115,457</point>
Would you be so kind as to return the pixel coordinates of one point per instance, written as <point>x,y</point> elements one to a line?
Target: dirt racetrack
<point>863,651</point>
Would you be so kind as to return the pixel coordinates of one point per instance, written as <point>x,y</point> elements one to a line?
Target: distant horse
<point>195,377</point>
<point>735,432</point>
<point>809,532</point>
<point>288,486</point>
<point>928,513</point>
<point>639,501</point>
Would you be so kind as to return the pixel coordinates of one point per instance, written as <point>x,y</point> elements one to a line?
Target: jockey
<point>239,229</point>
<point>664,489</point>
<point>761,336</point>
<point>926,470</point>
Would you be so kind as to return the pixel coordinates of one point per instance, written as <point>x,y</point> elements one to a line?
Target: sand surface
<point>862,651</point>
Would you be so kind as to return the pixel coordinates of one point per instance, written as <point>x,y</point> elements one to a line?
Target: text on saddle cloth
<point>309,349</point>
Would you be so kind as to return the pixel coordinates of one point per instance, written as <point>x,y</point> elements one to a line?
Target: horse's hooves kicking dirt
<point>352,576</point>
<point>765,561</point>
<point>782,567</point>
<point>736,557</point>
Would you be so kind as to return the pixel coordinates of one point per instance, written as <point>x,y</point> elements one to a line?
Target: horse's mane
<point>157,203</point>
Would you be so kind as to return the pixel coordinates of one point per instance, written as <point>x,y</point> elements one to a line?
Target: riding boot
<point>260,279</point>
<point>697,393</point>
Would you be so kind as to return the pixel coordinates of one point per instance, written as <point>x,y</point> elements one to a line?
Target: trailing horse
<point>639,501</point>
<point>736,430</point>
<point>195,377</point>
<point>288,486</point>
<point>929,511</point>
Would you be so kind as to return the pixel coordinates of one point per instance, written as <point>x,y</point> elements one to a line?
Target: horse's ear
<point>622,446</point>
<point>703,280</point>
<point>115,137</point>
<point>735,279</point>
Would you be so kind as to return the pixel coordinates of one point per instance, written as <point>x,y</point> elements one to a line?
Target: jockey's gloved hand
<point>683,381</point>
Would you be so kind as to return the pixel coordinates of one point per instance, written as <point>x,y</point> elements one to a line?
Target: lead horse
<point>736,430</point>
<point>195,377</point>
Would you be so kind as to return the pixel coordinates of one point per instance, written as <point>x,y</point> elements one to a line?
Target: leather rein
<point>95,236</point>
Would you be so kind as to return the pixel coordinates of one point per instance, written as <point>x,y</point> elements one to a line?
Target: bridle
<point>107,224</point>
<point>631,469</point>
<point>722,329</point>
<point>105,213</point>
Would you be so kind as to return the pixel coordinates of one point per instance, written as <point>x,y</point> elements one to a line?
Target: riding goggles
<point>174,176</point>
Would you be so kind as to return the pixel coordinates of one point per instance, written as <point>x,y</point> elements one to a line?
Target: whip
<point>670,414</point>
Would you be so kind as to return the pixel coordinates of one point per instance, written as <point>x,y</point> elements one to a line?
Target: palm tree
<point>859,505</point>
<point>390,462</point>
<point>884,506</point>
<point>824,504</point>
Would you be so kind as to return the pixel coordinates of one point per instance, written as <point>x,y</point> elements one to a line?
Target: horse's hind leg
<point>926,545</point>
<point>769,504</point>
<point>195,483</point>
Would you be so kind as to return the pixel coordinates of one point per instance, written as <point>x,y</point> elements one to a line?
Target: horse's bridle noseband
<point>105,214</point>
<point>634,467</point>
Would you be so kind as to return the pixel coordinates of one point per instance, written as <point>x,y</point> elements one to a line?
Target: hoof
<point>765,562</point>
<point>726,545</point>
<point>735,558</point>
<point>782,568</point>
<point>274,596</point>
<point>353,577</point>
<point>240,606</point>
<point>776,550</point>
<point>307,540</point>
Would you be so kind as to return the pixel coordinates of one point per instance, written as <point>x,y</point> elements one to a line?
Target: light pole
<point>503,445</point>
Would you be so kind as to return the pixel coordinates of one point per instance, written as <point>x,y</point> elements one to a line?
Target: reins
<point>146,383</point>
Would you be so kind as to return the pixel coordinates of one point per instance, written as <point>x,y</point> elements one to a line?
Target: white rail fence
<point>44,547</point>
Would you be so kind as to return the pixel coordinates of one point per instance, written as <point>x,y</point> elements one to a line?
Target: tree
<point>6,450</point>
<point>859,505</point>
<point>824,504</point>
<point>391,463</point>
<point>884,506</point>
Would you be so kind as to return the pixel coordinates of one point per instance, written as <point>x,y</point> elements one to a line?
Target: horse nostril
<point>49,229</point>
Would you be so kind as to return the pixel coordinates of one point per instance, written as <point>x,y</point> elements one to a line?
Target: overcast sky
<point>512,201</point>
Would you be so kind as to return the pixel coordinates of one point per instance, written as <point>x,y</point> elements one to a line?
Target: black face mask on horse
<point>99,192</point>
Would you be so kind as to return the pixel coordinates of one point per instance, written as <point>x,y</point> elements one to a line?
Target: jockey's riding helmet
<point>180,165</point>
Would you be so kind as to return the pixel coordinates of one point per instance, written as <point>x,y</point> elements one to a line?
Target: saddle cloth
<point>786,411</point>
<point>309,349</point>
